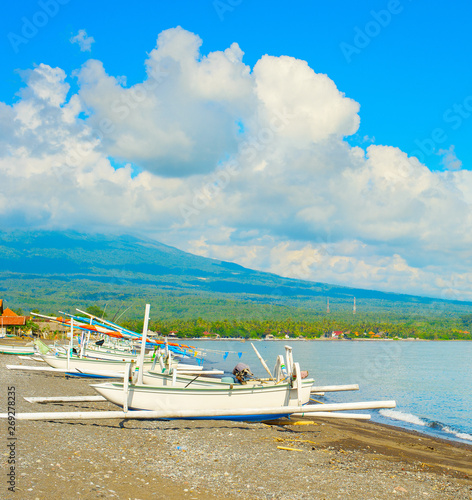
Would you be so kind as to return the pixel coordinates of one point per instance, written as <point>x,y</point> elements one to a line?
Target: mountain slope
<point>51,269</point>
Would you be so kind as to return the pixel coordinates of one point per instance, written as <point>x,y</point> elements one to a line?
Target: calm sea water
<point>431,382</point>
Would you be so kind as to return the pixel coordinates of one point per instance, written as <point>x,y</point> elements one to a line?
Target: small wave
<point>458,434</point>
<point>424,422</point>
<point>404,417</point>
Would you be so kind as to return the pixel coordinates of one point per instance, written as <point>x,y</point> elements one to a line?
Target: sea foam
<point>424,422</point>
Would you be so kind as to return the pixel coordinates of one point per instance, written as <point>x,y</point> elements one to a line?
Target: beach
<point>144,459</point>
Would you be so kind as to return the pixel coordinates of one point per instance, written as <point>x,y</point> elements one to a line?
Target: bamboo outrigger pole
<point>303,411</point>
<point>264,364</point>
<point>334,388</point>
<point>143,344</point>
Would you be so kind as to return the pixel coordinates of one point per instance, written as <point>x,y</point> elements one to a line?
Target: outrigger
<point>286,395</point>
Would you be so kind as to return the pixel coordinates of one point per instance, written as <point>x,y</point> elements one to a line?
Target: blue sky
<point>371,86</point>
<point>413,70</point>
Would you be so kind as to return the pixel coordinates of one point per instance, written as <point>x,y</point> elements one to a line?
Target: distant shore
<point>410,339</point>
<point>188,340</point>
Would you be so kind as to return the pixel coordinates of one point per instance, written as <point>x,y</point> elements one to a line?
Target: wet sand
<point>144,459</point>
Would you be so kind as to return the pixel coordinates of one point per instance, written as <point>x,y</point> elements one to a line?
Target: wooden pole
<point>126,385</point>
<point>82,344</point>
<point>143,344</point>
<point>334,388</point>
<point>303,411</point>
<point>117,328</point>
<point>298,382</point>
<point>76,372</point>
<point>264,364</point>
<point>35,368</point>
<point>333,414</point>
<point>71,343</point>
<point>63,399</point>
<point>289,358</point>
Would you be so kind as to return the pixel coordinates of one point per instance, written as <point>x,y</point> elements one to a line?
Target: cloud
<point>317,108</point>
<point>449,159</point>
<point>237,163</point>
<point>83,40</point>
<point>183,118</point>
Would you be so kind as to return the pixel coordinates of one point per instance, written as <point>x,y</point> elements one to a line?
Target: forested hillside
<point>54,271</point>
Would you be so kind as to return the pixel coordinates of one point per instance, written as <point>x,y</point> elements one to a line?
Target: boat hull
<point>96,365</point>
<point>18,350</point>
<point>144,397</point>
<point>84,364</point>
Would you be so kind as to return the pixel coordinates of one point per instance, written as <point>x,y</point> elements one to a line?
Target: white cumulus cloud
<point>83,40</point>
<point>237,163</point>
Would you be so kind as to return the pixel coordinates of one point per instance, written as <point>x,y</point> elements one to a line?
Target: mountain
<point>53,270</point>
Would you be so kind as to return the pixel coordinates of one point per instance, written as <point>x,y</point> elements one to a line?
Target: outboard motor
<point>242,373</point>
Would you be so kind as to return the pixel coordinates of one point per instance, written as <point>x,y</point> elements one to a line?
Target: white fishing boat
<point>286,392</point>
<point>91,350</point>
<point>179,376</point>
<point>111,354</point>
<point>74,362</point>
<point>114,338</point>
<point>80,359</point>
<point>286,387</point>
<point>90,365</point>
<point>145,397</point>
<point>293,392</point>
<point>149,357</point>
<point>20,350</point>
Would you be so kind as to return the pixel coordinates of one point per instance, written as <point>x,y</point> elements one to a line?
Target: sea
<point>431,381</point>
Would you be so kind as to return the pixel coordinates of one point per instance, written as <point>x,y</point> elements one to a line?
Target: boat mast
<point>143,344</point>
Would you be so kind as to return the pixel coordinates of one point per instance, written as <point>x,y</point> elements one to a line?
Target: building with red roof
<point>210,335</point>
<point>10,318</point>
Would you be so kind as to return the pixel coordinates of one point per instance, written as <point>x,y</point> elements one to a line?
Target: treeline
<point>230,316</point>
<point>424,328</point>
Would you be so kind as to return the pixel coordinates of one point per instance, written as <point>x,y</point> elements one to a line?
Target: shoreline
<point>403,425</point>
<point>237,339</point>
<point>200,459</point>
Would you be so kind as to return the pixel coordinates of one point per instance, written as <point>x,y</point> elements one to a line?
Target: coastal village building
<point>47,326</point>
<point>9,319</point>
<point>210,335</point>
